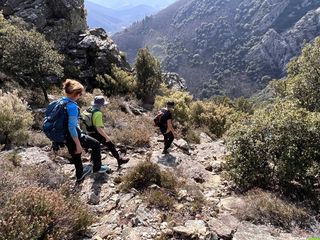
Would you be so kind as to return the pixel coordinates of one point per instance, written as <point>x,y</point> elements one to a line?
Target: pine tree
<point>149,75</point>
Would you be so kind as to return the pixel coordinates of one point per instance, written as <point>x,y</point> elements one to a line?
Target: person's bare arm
<point>170,126</point>
<point>103,133</point>
<point>79,149</point>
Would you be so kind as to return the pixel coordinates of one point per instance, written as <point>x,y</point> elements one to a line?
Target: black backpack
<point>157,119</point>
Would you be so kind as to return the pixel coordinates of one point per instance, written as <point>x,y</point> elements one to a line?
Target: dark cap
<point>170,104</point>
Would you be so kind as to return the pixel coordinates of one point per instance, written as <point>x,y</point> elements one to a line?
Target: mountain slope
<point>229,47</point>
<point>114,20</point>
<point>114,16</point>
<point>126,4</point>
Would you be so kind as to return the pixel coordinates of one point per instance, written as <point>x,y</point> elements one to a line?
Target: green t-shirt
<point>97,120</point>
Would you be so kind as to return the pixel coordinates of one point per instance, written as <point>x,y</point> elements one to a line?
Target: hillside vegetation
<point>232,47</point>
<point>240,169</point>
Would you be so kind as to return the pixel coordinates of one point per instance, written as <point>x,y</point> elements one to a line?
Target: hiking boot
<point>105,169</point>
<point>122,160</point>
<point>86,170</point>
<point>165,152</point>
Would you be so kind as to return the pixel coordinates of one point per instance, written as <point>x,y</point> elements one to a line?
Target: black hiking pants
<point>109,145</point>
<point>168,139</point>
<point>86,142</point>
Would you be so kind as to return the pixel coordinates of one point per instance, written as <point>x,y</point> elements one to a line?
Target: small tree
<point>28,53</point>
<point>149,75</point>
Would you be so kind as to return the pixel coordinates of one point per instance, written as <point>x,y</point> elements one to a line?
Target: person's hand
<point>79,149</point>
<point>107,139</point>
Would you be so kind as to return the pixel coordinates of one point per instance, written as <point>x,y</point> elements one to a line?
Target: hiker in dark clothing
<point>93,119</point>
<point>166,127</point>
<point>76,140</point>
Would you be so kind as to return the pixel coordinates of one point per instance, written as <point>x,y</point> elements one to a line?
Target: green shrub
<point>15,119</point>
<point>212,116</point>
<point>146,174</point>
<point>276,147</point>
<point>182,104</point>
<point>119,82</point>
<point>37,213</point>
<point>149,75</point>
<point>303,80</point>
<point>267,208</point>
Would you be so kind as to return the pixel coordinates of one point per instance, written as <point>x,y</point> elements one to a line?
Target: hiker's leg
<point>112,149</point>
<point>78,165</point>
<point>76,158</point>
<point>109,145</point>
<point>171,138</point>
<point>168,139</point>
<point>94,145</point>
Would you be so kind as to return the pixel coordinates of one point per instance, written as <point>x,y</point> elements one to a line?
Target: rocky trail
<point>127,216</point>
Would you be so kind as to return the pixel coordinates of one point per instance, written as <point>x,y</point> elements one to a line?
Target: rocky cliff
<point>88,52</point>
<point>229,47</point>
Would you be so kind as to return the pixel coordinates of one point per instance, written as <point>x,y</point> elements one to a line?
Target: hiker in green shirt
<point>93,119</point>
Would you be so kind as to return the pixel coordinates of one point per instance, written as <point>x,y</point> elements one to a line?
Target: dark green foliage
<point>303,82</point>
<point>277,147</point>
<point>149,75</point>
<point>27,54</point>
<point>119,82</point>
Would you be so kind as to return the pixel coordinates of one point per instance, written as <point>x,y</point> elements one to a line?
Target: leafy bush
<point>15,119</point>
<point>119,82</point>
<point>303,82</point>
<point>27,53</point>
<point>276,147</point>
<point>149,75</point>
<point>182,104</point>
<point>267,208</point>
<point>37,213</point>
<point>214,117</point>
<point>146,174</point>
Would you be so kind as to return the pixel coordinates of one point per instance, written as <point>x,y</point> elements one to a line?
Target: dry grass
<point>13,158</point>
<point>159,198</point>
<point>38,139</point>
<point>38,213</point>
<point>267,208</point>
<point>146,174</point>
<point>128,130</point>
<point>39,203</point>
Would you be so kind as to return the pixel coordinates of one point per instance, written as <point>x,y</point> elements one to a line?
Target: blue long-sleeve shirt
<point>73,116</point>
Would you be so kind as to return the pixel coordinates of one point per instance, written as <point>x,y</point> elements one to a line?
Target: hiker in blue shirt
<point>76,140</point>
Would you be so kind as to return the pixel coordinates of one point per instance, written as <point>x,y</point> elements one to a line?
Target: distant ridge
<point>230,47</point>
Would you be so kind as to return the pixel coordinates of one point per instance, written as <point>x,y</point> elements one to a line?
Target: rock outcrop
<point>88,52</point>
<point>174,81</point>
